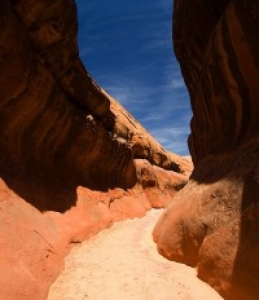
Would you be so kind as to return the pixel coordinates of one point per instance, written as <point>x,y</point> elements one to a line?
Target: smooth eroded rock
<point>213,221</point>
<point>67,150</point>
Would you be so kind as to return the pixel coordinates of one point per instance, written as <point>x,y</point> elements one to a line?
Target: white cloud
<point>173,139</point>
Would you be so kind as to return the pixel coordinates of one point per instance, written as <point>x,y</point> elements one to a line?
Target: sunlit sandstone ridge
<point>213,223</point>
<point>73,160</point>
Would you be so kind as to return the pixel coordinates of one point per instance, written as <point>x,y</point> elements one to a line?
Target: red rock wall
<point>45,119</point>
<point>213,222</point>
<point>72,160</point>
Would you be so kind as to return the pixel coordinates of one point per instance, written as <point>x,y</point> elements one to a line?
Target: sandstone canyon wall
<point>213,223</point>
<point>72,159</point>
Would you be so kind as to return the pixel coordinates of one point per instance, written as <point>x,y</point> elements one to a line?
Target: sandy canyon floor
<point>121,263</point>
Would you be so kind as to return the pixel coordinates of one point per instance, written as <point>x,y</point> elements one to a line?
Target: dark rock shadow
<point>245,274</point>
<point>241,167</point>
<point>47,191</point>
<point>43,193</point>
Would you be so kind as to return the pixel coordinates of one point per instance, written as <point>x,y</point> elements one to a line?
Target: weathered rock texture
<point>72,160</point>
<point>213,222</point>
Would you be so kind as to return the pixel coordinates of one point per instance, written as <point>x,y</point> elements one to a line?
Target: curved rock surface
<point>72,160</point>
<point>213,222</point>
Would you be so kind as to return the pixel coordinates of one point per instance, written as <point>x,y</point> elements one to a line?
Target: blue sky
<point>126,47</point>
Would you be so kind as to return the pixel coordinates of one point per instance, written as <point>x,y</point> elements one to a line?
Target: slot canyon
<point>79,173</point>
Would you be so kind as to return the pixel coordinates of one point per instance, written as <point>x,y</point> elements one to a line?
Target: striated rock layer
<point>213,222</point>
<point>72,160</point>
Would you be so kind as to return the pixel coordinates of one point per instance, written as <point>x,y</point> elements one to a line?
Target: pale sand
<point>121,263</point>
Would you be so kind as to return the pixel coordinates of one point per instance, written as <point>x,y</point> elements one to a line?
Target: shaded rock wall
<point>53,115</point>
<point>72,159</point>
<point>45,114</point>
<point>213,221</point>
<point>216,44</point>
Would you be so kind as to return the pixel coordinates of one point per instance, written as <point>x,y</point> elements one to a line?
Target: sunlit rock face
<point>72,159</point>
<point>213,222</point>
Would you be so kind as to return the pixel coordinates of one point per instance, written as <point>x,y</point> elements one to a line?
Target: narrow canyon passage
<point>122,263</point>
